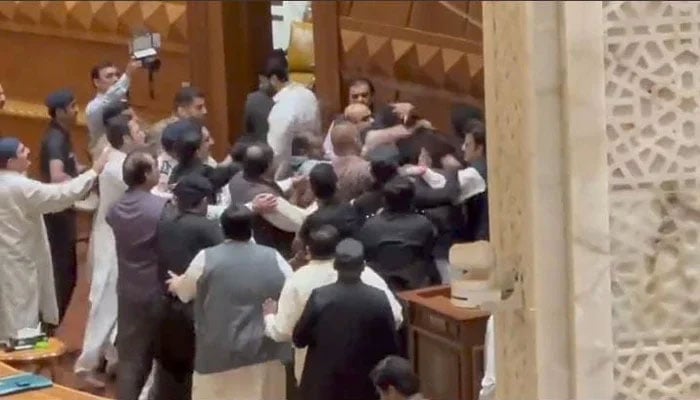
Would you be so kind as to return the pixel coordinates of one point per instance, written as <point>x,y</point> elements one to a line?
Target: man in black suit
<point>348,327</point>
<point>183,231</point>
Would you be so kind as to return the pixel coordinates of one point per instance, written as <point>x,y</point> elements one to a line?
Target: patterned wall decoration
<point>652,51</point>
<point>426,52</point>
<point>113,20</point>
<point>48,45</point>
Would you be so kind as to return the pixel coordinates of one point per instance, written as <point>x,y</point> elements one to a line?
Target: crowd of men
<point>269,275</point>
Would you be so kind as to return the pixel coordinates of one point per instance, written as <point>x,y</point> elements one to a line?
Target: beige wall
<point>594,161</point>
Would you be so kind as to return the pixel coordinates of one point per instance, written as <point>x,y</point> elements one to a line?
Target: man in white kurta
<point>295,112</point>
<point>234,359</point>
<point>123,135</point>
<point>26,274</point>
<point>280,320</point>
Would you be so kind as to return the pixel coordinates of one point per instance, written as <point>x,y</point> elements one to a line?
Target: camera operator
<point>111,88</point>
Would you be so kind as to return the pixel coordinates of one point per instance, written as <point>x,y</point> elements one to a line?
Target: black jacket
<point>180,237</point>
<point>399,247</point>
<point>348,328</point>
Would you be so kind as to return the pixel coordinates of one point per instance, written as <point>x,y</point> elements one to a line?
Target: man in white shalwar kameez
<point>229,282</point>
<point>26,273</point>
<point>123,134</point>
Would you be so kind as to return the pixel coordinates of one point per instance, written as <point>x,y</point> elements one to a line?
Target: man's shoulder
<point>92,105</point>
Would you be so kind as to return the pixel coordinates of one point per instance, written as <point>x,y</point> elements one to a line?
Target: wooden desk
<point>36,361</point>
<point>53,393</point>
<point>445,344</point>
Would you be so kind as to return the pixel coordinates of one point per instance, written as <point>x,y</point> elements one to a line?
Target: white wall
<point>290,11</point>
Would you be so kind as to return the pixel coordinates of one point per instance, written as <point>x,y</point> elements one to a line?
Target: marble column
<point>544,86</point>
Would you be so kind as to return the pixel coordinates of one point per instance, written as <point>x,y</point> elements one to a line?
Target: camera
<point>144,47</point>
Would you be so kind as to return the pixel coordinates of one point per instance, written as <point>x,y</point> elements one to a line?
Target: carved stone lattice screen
<point>652,55</point>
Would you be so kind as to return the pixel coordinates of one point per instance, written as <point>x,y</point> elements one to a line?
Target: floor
<point>72,329</point>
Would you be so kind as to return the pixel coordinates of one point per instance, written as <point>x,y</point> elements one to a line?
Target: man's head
<point>345,138</point>
<point>361,91</point>
<point>349,259</point>
<point>14,155</point>
<point>384,163</point>
<point>62,107</point>
<point>322,241</point>
<point>116,109</point>
<point>139,170</point>
<point>323,181</point>
<point>190,142</point>
<point>238,151</point>
<point>474,146</point>
<point>124,133</point>
<point>3,99</point>
<point>104,75</point>
<point>277,57</point>
<point>398,194</point>
<point>192,193</point>
<point>237,223</point>
<point>277,73</point>
<point>207,142</point>
<point>257,161</point>
<point>461,115</point>
<point>308,145</point>
<point>360,115</point>
<point>424,147</point>
<point>190,103</point>
<point>394,379</point>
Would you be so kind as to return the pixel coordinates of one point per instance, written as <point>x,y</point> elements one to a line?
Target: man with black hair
<point>399,242</point>
<point>348,327</point>
<point>27,291</point>
<point>124,135</point>
<point>295,112</point>
<point>258,104</point>
<point>331,210</point>
<point>462,115</point>
<point>280,318</point>
<point>188,102</point>
<point>359,110</point>
<point>134,221</point>
<point>476,207</point>
<point>191,150</point>
<point>395,380</point>
<point>228,283</point>
<point>183,232</point>
<point>58,164</point>
<point>110,88</point>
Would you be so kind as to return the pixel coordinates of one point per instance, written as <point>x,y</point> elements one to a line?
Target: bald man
<point>354,176</point>
<point>356,113</point>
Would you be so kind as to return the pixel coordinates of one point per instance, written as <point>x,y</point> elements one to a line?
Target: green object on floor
<point>41,345</point>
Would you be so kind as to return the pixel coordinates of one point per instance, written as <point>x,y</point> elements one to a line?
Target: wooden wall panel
<point>426,52</point>
<point>48,45</point>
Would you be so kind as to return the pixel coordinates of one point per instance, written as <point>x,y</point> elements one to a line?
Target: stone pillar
<point>544,87</point>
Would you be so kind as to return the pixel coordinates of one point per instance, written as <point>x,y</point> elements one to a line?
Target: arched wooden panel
<point>425,52</point>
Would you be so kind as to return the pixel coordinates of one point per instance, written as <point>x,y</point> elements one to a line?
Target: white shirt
<point>295,112</point>
<point>296,292</point>
<point>471,183</point>
<point>26,275</point>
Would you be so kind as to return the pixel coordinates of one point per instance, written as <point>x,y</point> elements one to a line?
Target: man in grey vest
<point>229,283</point>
